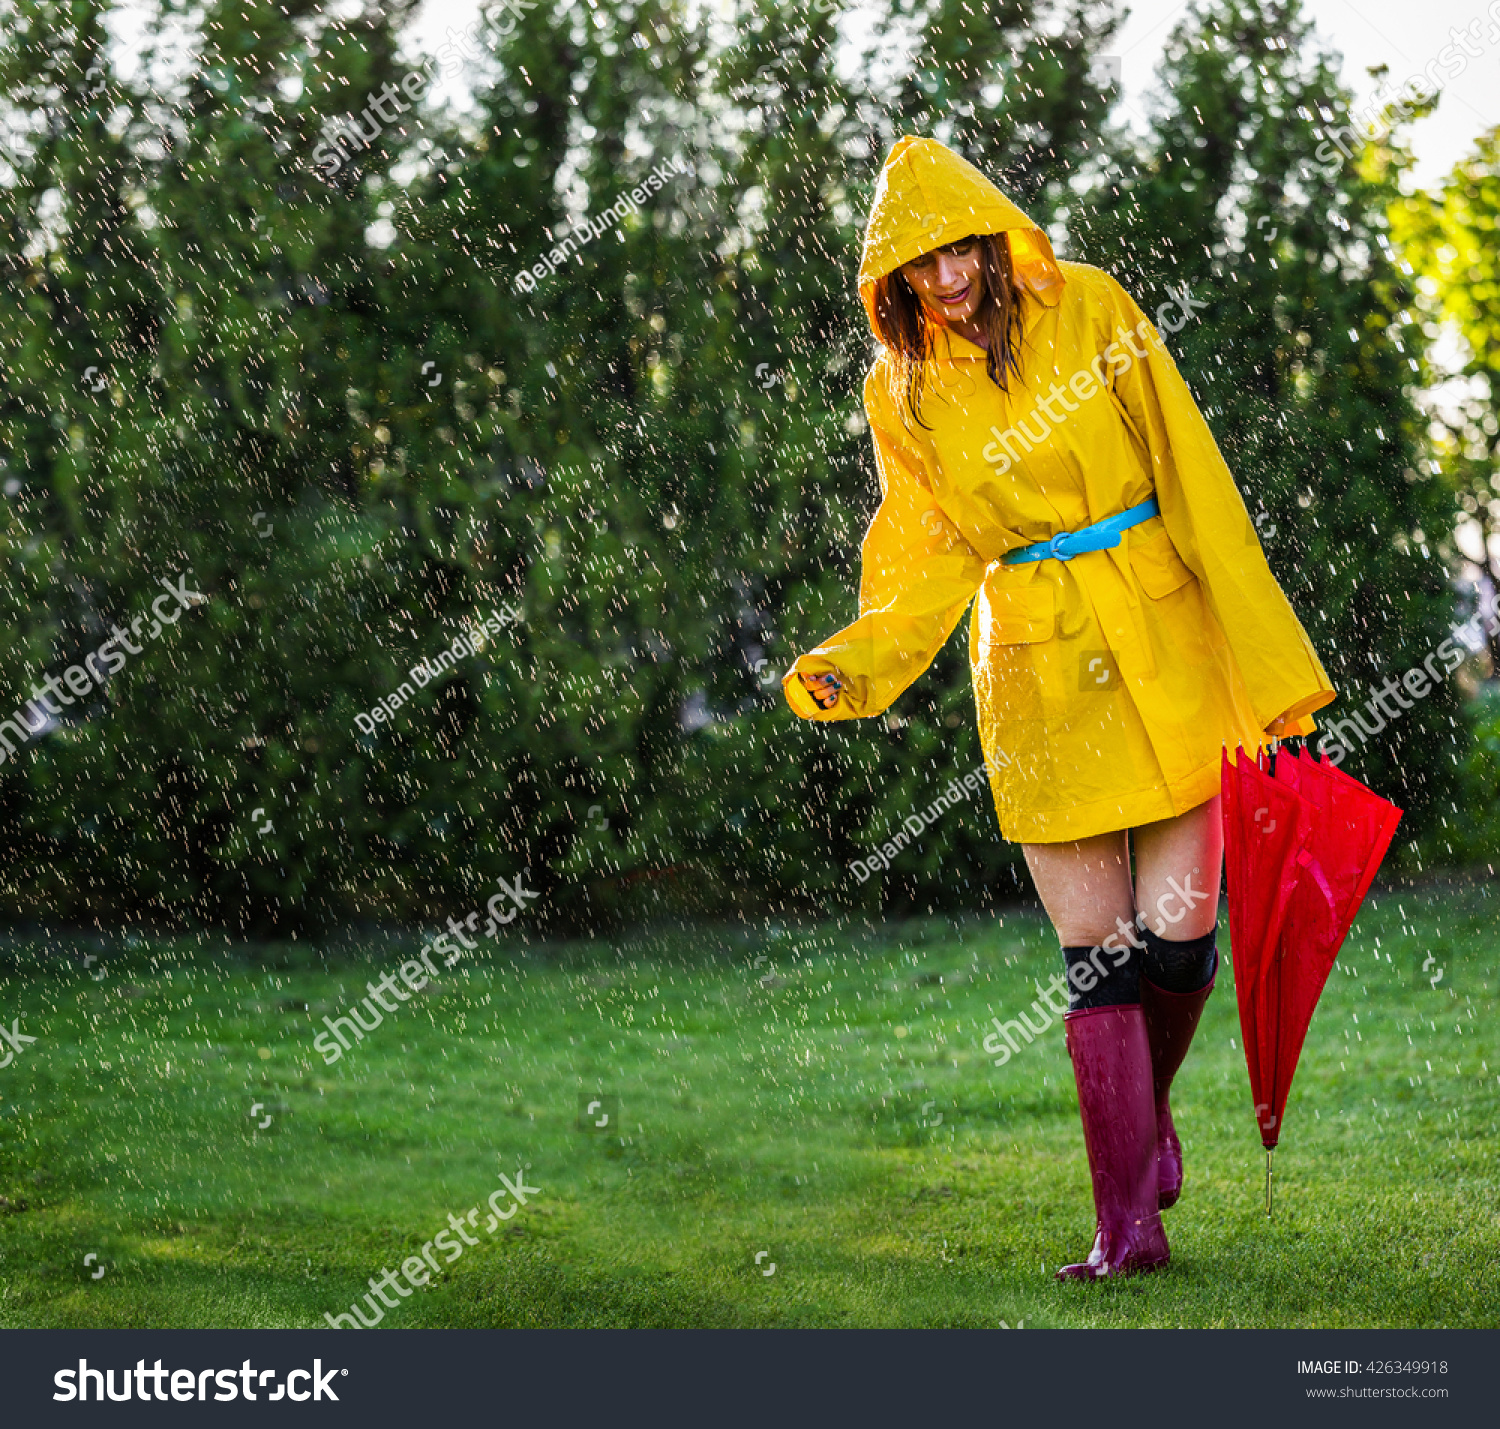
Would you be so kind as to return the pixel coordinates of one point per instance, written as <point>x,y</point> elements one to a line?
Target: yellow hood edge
<point>927,196</point>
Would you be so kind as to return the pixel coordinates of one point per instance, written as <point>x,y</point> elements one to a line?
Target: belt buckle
<point>1055,546</point>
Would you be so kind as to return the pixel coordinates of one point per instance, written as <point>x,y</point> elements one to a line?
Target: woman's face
<point>949,280</point>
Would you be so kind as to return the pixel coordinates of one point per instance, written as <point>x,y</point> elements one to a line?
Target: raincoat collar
<point>927,196</point>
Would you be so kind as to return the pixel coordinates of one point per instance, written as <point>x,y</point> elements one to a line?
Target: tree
<point>1449,239</point>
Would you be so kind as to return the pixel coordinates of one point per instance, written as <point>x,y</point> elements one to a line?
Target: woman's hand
<point>823,688</point>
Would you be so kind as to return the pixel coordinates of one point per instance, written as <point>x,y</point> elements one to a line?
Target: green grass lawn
<point>819,1094</point>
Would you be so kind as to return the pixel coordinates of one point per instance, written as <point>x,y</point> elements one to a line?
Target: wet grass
<point>818,1094</point>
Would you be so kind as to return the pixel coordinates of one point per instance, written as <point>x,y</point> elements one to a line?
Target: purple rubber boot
<point>1171,1019</point>
<point>1112,1066</point>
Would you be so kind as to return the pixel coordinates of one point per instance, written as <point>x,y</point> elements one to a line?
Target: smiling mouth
<point>957,298</point>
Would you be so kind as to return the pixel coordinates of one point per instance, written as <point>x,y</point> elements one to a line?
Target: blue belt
<point>1102,534</point>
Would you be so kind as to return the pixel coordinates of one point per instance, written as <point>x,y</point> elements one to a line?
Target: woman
<point>1014,399</point>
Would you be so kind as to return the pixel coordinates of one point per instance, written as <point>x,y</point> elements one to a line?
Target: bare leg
<point>1177,867</point>
<point>1084,885</point>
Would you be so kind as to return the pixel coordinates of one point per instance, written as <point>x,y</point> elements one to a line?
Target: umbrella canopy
<point>1302,842</point>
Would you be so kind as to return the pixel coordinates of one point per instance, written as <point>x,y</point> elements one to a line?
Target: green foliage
<point>1449,238</point>
<point>1474,836</point>
<point>327,404</point>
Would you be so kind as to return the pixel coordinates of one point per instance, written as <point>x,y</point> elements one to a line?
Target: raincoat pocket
<point>1156,564</point>
<point>1019,614</point>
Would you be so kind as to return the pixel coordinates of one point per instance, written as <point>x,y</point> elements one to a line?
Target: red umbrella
<point>1302,842</point>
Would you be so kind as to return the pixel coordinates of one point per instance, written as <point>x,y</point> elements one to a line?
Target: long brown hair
<point>905,328</point>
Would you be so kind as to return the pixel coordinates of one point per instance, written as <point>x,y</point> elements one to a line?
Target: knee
<point>1089,933</point>
<point>1185,908</point>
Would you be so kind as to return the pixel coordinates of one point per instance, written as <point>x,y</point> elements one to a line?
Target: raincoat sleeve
<point>917,574</point>
<point>1206,520</point>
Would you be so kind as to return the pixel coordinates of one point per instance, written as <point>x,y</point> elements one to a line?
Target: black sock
<point>1116,986</point>
<point>1187,965</point>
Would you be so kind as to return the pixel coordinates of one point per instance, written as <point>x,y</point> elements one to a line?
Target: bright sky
<point>1406,35</point>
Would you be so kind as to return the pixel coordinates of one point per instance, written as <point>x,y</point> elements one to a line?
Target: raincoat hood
<point>927,196</point>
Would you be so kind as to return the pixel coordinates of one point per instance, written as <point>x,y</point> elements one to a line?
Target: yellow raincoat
<point>1107,684</point>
